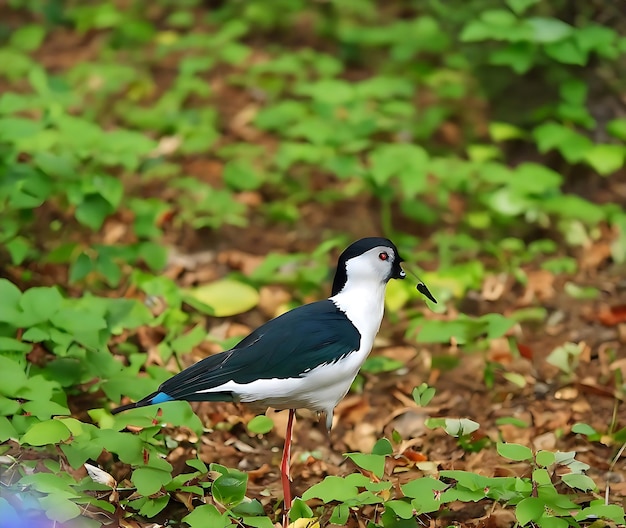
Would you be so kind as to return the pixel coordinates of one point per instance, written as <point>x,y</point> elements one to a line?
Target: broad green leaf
<point>515,452</point>
<point>18,248</point>
<point>8,344</point>
<point>584,429</point>
<point>40,304</point>
<point>529,509</point>
<point>578,481</point>
<point>606,159</point>
<point>224,297</point>
<point>617,128</point>
<point>149,480</point>
<point>10,295</point>
<point>404,160</point>
<point>598,509</point>
<point>378,364</point>
<point>260,424</point>
<point>520,6</point>
<point>230,489</point>
<point>382,447</point>
<point>28,37</point>
<point>44,433</point>
<point>547,30</point>
<point>12,377</point>
<point>402,509</point>
<point>152,507</point>
<point>300,510</point>
<point>423,491</point>
<point>6,429</point>
<point>207,515</point>
<point>261,522</point>
<point>369,462</point>
<point>59,508</point>
<point>331,489</point>
<point>186,342</point>
<point>504,131</point>
<point>566,51</point>
<point>545,458</point>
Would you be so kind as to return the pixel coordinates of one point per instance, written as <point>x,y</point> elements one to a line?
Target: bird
<point>306,358</point>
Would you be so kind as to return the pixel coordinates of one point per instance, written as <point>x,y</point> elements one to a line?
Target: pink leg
<point>284,468</point>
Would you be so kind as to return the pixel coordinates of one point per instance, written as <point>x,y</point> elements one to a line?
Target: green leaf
<point>578,481</point>
<point>529,509</point>
<point>606,159</point>
<point>44,433</point>
<point>598,509</point>
<point>547,30</point>
<point>378,364</point>
<point>423,491</point>
<point>80,268</point>
<point>18,248</point>
<point>404,160</point>
<point>373,463</point>
<point>259,522</point>
<point>331,489</point>
<point>583,429</point>
<point>186,342</point>
<point>8,344</point>
<point>76,320</point>
<point>521,6</point>
<point>300,510</point>
<point>92,211</point>
<point>9,307</point>
<point>423,394</point>
<point>545,458</point>
<point>382,447</point>
<point>260,425</point>
<point>28,37</point>
<point>149,480</point>
<point>153,254</point>
<point>566,52</point>
<point>152,507</point>
<point>207,515</point>
<point>402,509</point>
<point>242,175</point>
<point>59,508</point>
<point>7,430</point>
<point>572,145</point>
<point>12,377</point>
<point>504,131</point>
<point>340,515</point>
<point>224,297</point>
<point>515,452</point>
<point>617,128</point>
<point>230,489</point>
<point>40,304</point>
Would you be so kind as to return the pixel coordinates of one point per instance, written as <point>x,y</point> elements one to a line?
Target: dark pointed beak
<point>398,272</point>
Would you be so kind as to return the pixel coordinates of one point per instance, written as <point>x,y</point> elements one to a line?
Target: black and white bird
<point>306,358</point>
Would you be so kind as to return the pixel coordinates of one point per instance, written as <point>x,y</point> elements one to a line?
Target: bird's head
<point>372,259</point>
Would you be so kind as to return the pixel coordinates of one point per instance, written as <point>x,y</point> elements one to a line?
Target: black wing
<point>285,347</point>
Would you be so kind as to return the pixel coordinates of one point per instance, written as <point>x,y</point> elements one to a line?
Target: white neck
<point>363,302</point>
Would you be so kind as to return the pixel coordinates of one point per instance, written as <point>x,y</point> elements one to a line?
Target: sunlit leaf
<point>223,298</point>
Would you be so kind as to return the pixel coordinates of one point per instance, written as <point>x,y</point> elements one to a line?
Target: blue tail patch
<point>161,397</point>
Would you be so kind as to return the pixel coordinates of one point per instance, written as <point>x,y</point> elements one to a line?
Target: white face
<point>376,265</point>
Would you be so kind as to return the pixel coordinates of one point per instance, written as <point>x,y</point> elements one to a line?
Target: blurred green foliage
<point>509,107</point>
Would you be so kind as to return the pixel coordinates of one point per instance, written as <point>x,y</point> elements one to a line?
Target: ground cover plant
<point>173,175</point>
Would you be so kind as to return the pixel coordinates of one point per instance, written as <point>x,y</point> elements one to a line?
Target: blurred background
<point>175,173</point>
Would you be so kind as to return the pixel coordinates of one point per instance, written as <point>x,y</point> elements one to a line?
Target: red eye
<point>383,256</point>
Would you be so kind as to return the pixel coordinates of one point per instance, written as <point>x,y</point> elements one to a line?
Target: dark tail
<point>141,403</point>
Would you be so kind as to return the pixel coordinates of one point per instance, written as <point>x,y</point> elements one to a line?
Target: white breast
<point>321,388</point>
